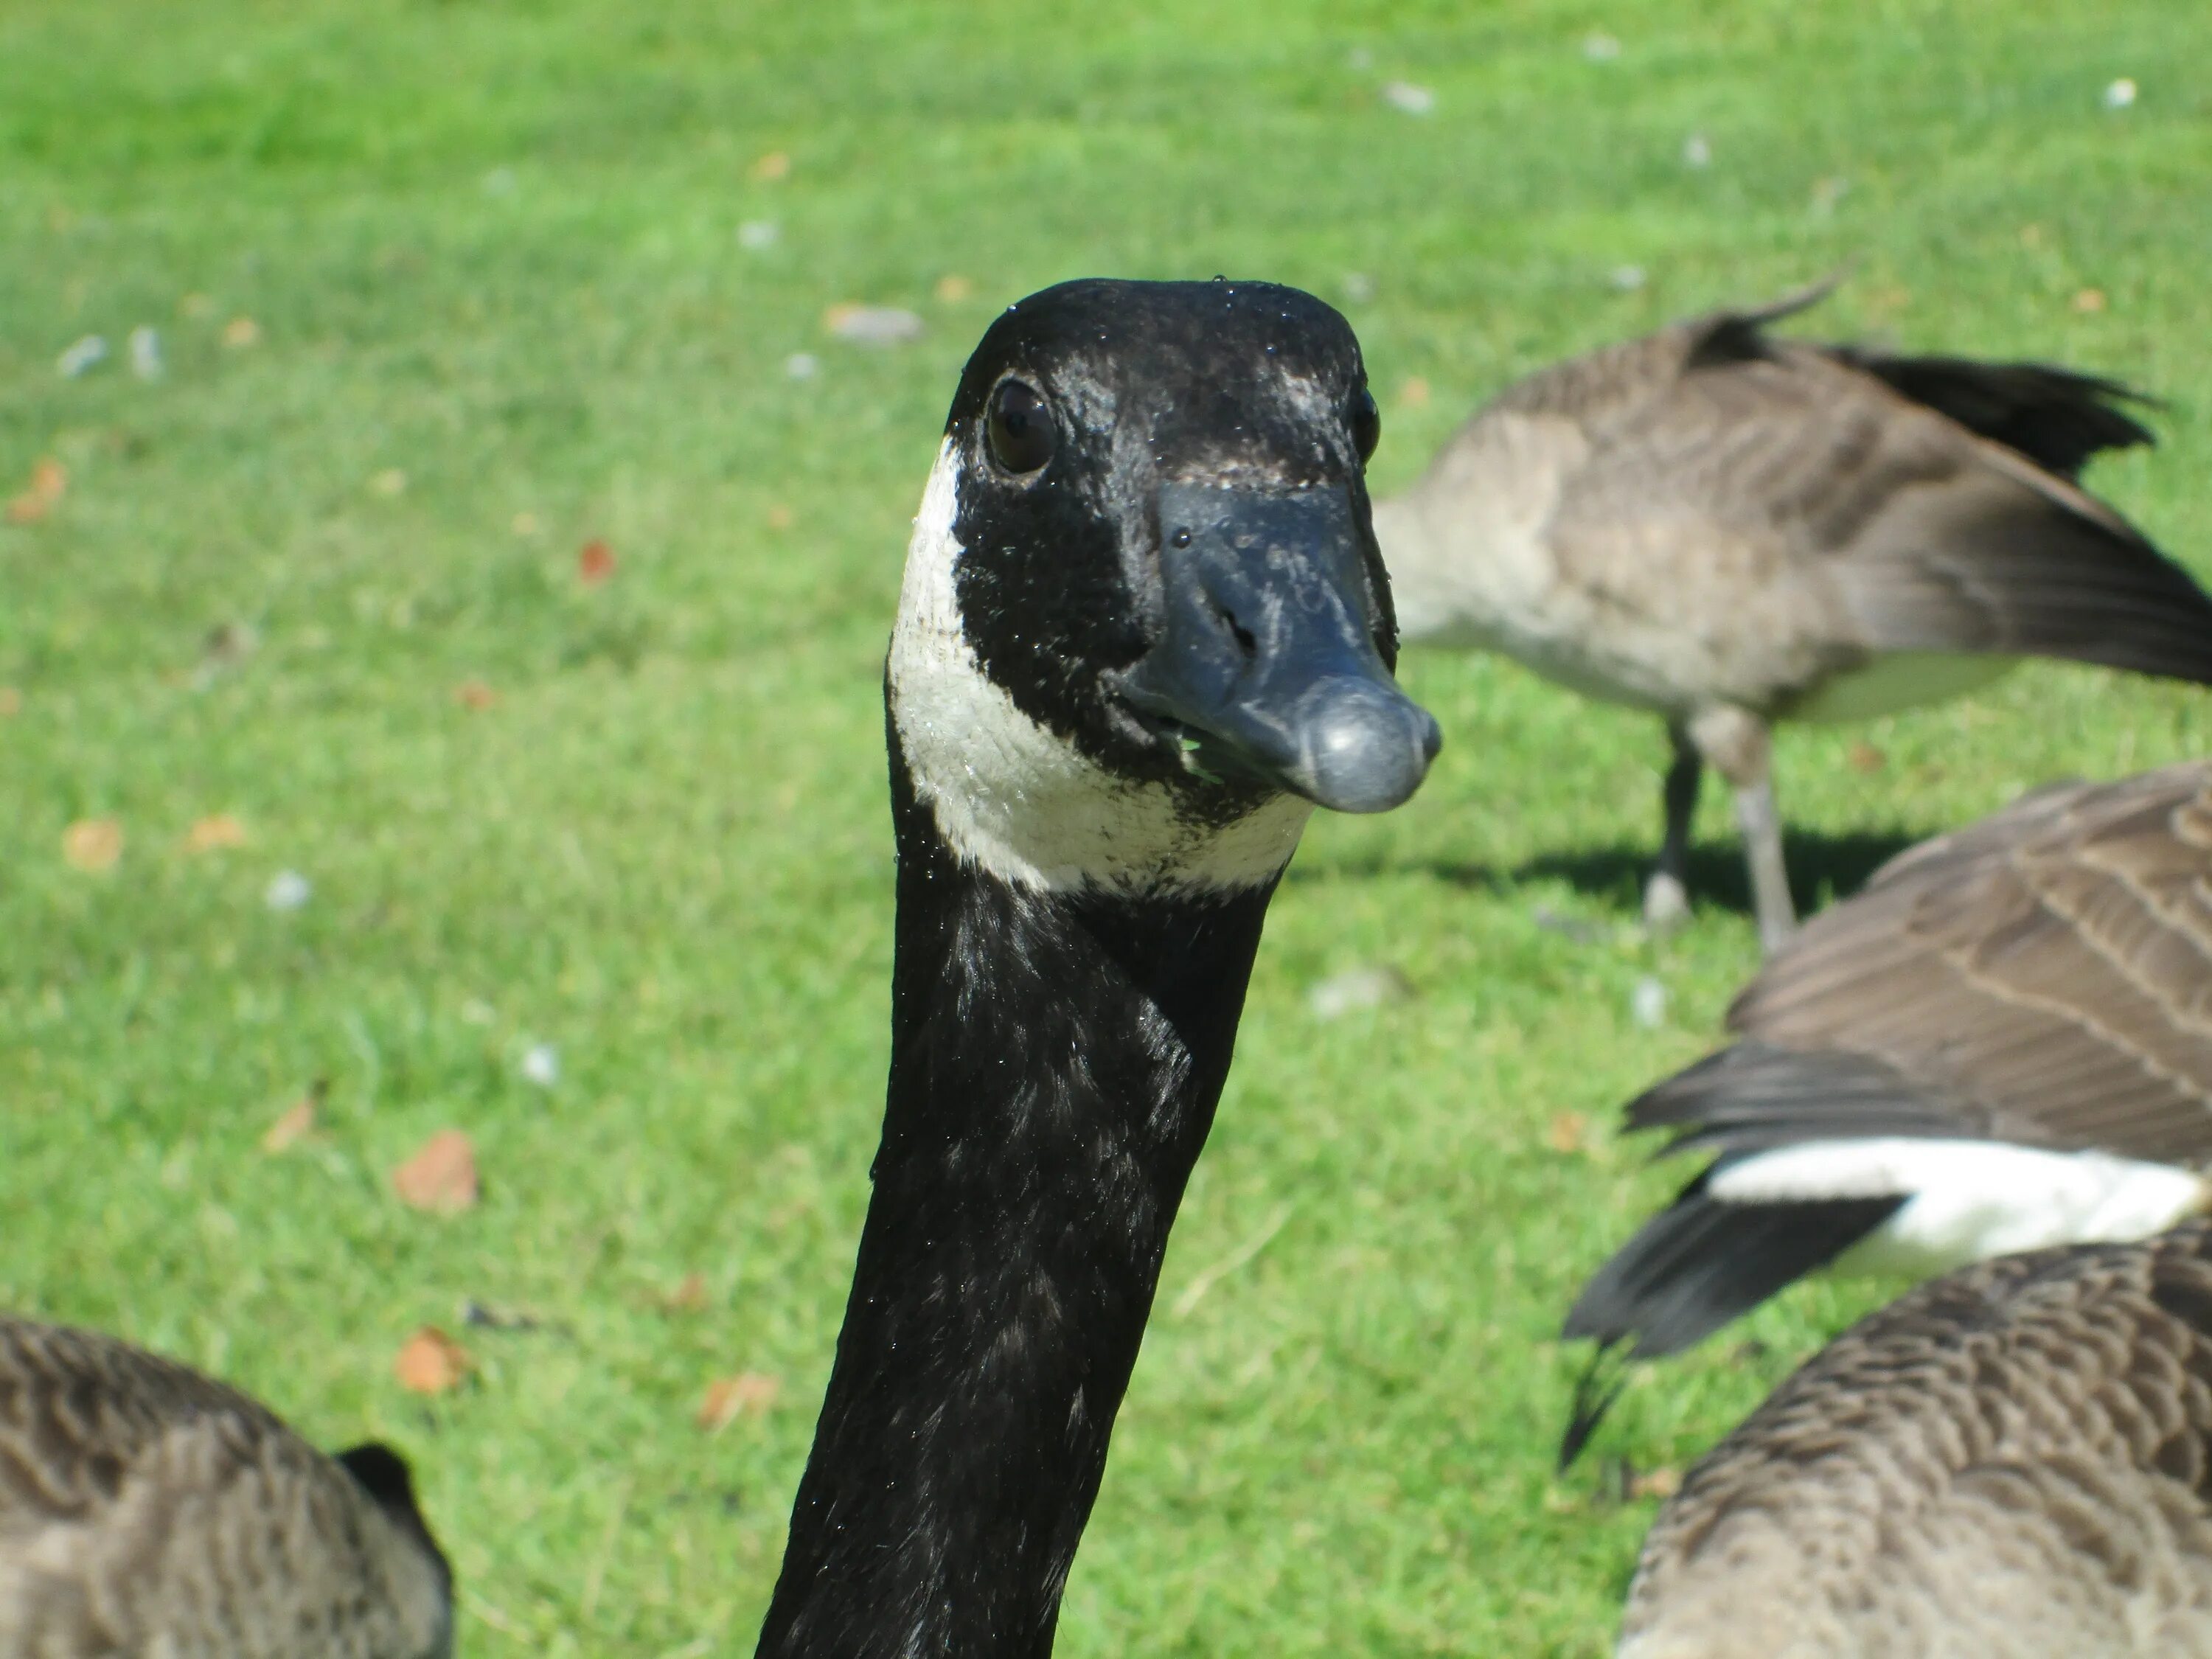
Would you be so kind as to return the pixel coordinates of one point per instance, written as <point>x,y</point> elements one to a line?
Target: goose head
<point>1145,627</point>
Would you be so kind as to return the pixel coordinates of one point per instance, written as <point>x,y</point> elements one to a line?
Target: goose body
<point>2012,1462</point>
<point>1144,629</point>
<point>1732,530</point>
<point>2004,1042</point>
<point>147,1510</point>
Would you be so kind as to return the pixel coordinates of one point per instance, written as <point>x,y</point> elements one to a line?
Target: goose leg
<point>1761,825</point>
<point>1740,748</point>
<point>1667,894</point>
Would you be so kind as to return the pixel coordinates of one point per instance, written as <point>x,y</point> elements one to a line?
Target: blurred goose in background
<point>2013,1462</point>
<point>146,1510</point>
<point>2004,1042</point>
<point>1731,529</point>
<point>1144,629</point>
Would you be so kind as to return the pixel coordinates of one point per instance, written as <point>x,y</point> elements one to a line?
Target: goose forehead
<point>1174,365</point>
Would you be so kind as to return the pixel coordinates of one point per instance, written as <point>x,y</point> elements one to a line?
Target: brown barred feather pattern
<point>2012,1462</point>
<point>148,1511</point>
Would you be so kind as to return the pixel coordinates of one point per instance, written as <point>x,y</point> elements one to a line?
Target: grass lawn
<point>446,290</point>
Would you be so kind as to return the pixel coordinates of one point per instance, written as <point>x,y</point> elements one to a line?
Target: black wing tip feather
<point>1693,1268</point>
<point>1754,1095</point>
<point>2057,417</point>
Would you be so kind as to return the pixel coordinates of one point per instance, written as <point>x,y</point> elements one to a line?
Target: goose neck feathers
<point>1055,1062</point>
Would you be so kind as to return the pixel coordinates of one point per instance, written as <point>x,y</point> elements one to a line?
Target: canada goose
<point>2004,1042</point>
<point>1731,529</point>
<point>146,1509</point>
<point>2013,1462</point>
<point>1144,629</point>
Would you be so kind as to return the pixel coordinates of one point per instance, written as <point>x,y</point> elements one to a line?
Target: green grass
<point>492,246</point>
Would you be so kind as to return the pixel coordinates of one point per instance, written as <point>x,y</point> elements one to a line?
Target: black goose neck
<point>1055,1063</point>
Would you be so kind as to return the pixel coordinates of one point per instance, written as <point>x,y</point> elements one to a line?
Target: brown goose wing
<point>2013,1460</point>
<point>2044,976</point>
<point>145,1508</point>
<point>1820,515</point>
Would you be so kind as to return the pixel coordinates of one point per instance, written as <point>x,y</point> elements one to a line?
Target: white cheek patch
<point>1013,798</point>
<point>1969,1198</point>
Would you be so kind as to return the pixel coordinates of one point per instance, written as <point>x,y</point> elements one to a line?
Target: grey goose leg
<point>1667,894</point>
<point>1761,825</point>
<point>1740,748</point>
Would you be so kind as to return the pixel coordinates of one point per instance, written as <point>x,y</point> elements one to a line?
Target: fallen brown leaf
<point>209,834</point>
<point>1865,757</point>
<point>2089,300</point>
<point>779,517</point>
<point>294,1122</point>
<point>1569,1132</point>
<point>49,483</point>
<point>430,1361</point>
<point>951,290</point>
<point>240,333</point>
<point>93,844</point>
<point>595,563</point>
<point>729,1398</point>
<point>441,1177</point>
<point>1414,393</point>
<point>775,165</point>
<point>688,1297</point>
<point>475,694</point>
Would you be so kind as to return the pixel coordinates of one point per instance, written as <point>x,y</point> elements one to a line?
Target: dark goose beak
<point>1266,657</point>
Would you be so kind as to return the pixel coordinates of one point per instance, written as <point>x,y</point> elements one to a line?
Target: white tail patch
<point>1969,1198</point>
<point>1016,800</point>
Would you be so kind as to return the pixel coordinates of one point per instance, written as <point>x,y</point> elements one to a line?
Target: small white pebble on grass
<point>802,366</point>
<point>1408,99</point>
<point>146,353</point>
<point>875,326</point>
<point>756,235</point>
<point>1627,278</point>
<point>1356,989</point>
<point>288,890</point>
<point>541,1065</point>
<point>1600,47</point>
<point>80,355</point>
<point>1697,151</point>
<point>1358,287</point>
<point>2120,93</point>
<point>1647,1004</point>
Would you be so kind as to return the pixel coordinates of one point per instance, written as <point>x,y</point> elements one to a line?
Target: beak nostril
<point>1246,640</point>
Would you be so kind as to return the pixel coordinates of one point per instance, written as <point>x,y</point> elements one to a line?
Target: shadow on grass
<point>1822,868</point>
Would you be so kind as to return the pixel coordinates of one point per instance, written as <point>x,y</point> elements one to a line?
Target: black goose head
<point>1145,623</point>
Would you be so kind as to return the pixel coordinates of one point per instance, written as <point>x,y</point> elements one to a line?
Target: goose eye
<point>1366,423</point>
<point>1020,428</point>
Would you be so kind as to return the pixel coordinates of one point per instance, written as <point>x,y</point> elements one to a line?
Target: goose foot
<point>1666,902</point>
